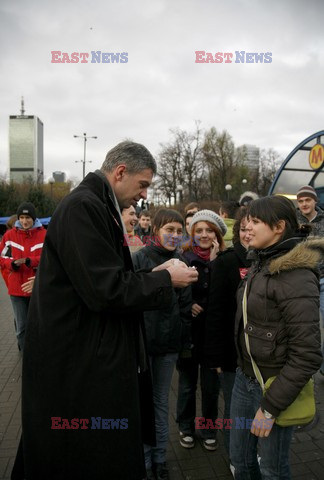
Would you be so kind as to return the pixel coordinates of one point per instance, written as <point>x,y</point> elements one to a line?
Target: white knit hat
<point>211,217</point>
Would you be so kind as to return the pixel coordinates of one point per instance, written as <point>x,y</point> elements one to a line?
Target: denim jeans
<point>274,450</point>
<point>227,380</point>
<point>162,367</point>
<point>186,404</point>
<point>20,308</point>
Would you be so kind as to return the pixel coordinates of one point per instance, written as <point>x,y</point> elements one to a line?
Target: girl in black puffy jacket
<point>279,334</point>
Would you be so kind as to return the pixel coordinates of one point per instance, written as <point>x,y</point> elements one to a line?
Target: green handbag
<point>302,410</point>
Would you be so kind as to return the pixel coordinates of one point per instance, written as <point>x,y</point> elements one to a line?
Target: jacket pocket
<point>262,339</point>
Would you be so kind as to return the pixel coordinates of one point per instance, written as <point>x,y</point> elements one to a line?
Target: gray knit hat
<point>211,217</point>
<point>307,191</point>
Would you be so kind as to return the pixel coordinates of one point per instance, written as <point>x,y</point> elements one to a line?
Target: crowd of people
<point>118,300</point>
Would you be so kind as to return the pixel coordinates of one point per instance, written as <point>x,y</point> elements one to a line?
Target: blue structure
<point>297,171</point>
<point>44,221</point>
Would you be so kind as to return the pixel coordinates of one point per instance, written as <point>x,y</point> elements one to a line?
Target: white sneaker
<point>186,441</point>
<point>210,444</point>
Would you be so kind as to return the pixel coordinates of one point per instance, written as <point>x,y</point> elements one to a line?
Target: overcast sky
<point>275,104</point>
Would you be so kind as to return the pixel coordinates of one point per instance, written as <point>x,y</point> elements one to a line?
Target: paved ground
<point>307,452</point>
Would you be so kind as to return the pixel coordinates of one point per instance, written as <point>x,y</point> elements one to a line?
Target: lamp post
<point>228,188</point>
<point>85,138</point>
<point>180,190</point>
<point>244,182</point>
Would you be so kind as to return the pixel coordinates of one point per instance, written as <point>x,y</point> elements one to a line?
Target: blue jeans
<point>20,308</point>
<point>162,367</point>
<point>186,404</point>
<point>227,380</point>
<point>274,450</point>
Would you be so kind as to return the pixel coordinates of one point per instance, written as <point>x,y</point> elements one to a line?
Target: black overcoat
<point>84,346</point>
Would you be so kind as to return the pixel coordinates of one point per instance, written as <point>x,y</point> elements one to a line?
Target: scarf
<point>203,253</point>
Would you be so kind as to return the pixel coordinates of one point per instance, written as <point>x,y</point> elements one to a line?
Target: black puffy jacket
<point>167,330</point>
<point>283,319</point>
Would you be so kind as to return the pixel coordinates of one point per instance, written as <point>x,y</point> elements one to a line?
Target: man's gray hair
<point>135,156</point>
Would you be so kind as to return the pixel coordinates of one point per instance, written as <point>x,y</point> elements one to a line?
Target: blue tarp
<point>44,221</point>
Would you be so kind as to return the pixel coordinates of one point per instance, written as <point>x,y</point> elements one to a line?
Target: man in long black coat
<point>86,399</point>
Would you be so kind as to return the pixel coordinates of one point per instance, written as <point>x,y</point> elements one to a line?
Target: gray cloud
<point>270,105</point>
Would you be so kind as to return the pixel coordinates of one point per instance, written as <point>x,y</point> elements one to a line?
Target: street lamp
<point>244,181</point>
<point>85,138</point>
<point>228,188</point>
<point>180,190</point>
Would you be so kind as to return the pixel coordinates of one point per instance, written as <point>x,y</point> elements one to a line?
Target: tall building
<point>252,156</point>
<point>59,176</point>
<point>26,149</point>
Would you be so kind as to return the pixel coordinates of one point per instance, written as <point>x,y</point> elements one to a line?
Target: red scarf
<point>203,253</point>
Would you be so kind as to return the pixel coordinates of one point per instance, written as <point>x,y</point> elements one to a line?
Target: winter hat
<point>307,191</point>
<point>26,208</point>
<point>247,197</point>
<point>211,217</point>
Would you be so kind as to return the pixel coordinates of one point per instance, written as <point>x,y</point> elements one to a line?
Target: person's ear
<point>120,172</point>
<point>280,227</point>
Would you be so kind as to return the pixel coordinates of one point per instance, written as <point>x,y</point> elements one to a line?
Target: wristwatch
<point>267,414</point>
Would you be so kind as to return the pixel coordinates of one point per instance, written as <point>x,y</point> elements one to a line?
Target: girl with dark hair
<point>229,268</point>
<point>281,333</point>
<point>207,231</point>
<point>167,331</point>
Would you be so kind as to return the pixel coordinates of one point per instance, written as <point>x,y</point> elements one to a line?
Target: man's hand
<point>196,309</point>
<point>27,287</point>
<point>182,276</point>
<point>169,263</point>
<point>261,426</point>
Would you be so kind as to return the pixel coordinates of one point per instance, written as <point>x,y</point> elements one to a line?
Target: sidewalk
<point>307,452</point>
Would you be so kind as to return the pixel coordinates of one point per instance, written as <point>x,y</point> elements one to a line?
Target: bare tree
<point>181,163</point>
<point>221,161</point>
<point>270,161</point>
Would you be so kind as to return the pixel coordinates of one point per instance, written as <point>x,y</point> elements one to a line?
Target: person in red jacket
<point>9,224</point>
<point>20,251</point>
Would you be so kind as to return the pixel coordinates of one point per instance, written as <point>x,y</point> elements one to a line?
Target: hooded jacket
<point>19,243</point>
<point>283,319</point>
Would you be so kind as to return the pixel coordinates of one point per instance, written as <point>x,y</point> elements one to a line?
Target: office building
<point>251,156</point>
<point>26,151</point>
<point>59,177</point>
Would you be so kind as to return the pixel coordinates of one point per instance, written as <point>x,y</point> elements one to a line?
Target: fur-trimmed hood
<point>307,254</point>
